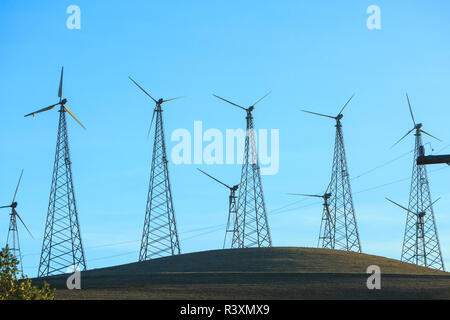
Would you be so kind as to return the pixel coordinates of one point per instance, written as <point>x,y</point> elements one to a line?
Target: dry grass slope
<point>259,273</point>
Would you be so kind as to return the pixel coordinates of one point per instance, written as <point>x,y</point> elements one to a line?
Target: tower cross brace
<point>251,209</point>
<point>159,236</point>
<point>62,246</point>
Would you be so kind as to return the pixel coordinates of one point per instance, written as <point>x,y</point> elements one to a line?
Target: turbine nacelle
<point>417,126</point>
<point>158,102</point>
<point>420,214</point>
<point>62,102</point>
<point>233,188</point>
<point>13,206</point>
<point>340,114</point>
<point>249,109</point>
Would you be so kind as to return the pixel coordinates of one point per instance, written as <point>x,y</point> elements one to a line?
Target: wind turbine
<point>12,240</point>
<point>345,234</point>
<point>327,225</point>
<point>62,247</point>
<point>252,217</point>
<point>232,212</point>
<point>424,251</point>
<point>160,236</point>
<point>420,230</point>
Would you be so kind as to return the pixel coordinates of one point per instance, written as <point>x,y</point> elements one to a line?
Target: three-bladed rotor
<point>158,103</point>
<point>340,114</point>
<point>62,102</point>
<point>249,109</point>
<point>232,188</point>
<point>417,126</point>
<point>420,214</point>
<point>325,196</point>
<point>13,205</point>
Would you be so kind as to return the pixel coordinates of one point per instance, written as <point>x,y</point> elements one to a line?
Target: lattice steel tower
<point>232,221</point>
<point>326,234</point>
<point>421,242</point>
<point>251,209</point>
<point>62,248</point>
<point>12,239</point>
<point>160,236</point>
<point>345,231</point>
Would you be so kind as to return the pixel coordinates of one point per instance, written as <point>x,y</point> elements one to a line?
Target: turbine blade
<point>431,204</point>
<point>261,98</point>
<point>345,105</point>
<point>151,123</point>
<point>399,205</point>
<point>142,89</point>
<point>61,84</point>
<point>403,137</point>
<point>214,179</point>
<point>234,104</point>
<point>306,195</point>
<point>17,215</point>
<point>171,99</point>
<point>42,110</point>
<point>328,188</point>
<point>5,207</point>
<point>319,114</point>
<point>17,187</point>
<point>73,116</point>
<point>430,135</point>
<point>410,110</point>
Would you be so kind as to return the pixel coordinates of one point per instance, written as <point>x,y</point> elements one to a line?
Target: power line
<point>277,211</point>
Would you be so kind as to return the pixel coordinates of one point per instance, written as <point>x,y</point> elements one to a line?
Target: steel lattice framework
<point>339,229</point>
<point>12,241</point>
<point>232,214</point>
<point>252,228</point>
<point>251,208</point>
<point>159,236</point>
<point>62,247</point>
<point>232,221</point>
<point>326,234</point>
<point>346,236</point>
<point>421,242</point>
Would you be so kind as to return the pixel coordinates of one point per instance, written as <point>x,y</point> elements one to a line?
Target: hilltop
<point>258,273</point>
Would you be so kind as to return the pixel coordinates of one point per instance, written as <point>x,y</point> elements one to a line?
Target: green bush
<point>14,288</point>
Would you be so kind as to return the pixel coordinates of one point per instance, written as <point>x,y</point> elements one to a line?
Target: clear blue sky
<point>311,54</point>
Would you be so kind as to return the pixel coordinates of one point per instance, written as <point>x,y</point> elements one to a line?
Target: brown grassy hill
<point>259,273</point>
